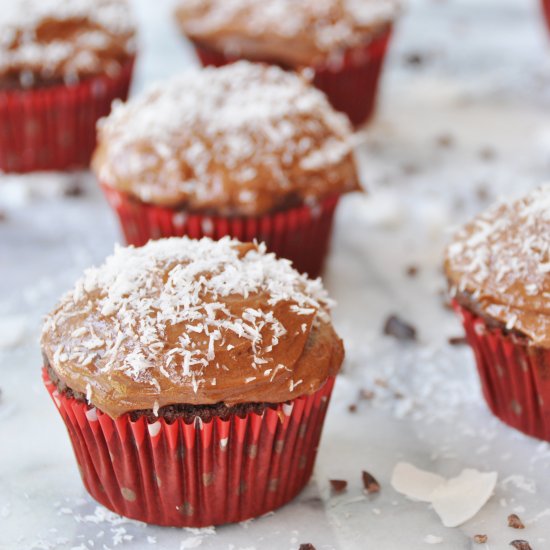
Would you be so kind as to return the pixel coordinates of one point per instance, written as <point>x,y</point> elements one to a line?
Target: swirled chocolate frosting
<point>245,139</point>
<point>293,32</point>
<point>499,265</point>
<point>46,42</point>
<point>180,321</point>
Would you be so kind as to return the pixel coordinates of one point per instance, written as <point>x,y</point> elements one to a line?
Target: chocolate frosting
<point>245,139</point>
<point>292,32</point>
<point>499,265</point>
<point>46,42</point>
<point>180,321</point>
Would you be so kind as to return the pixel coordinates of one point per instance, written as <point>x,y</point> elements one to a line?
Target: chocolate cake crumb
<point>369,483</point>
<point>338,485</point>
<point>515,522</point>
<point>352,408</point>
<point>409,169</point>
<point>457,340</point>
<point>520,544</point>
<point>366,395</point>
<point>412,271</point>
<point>414,59</point>
<point>487,153</point>
<point>482,193</point>
<point>480,539</point>
<point>74,190</point>
<point>445,140</point>
<point>307,546</point>
<point>399,329</point>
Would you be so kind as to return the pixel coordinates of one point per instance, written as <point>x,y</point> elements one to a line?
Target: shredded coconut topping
<point>501,260</point>
<point>176,302</point>
<point>242,137</point>
<point>84,33</point>
<point>330,23</point>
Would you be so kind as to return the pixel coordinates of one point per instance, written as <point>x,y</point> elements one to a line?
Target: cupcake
<point>546,12</point>
<point>341,44</point>
<point>193,377</point>
<point>498,268</point>
<point>62,62</point>
<point>248,150</point>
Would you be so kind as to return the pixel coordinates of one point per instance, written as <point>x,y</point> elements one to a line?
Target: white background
<point>483,83</point>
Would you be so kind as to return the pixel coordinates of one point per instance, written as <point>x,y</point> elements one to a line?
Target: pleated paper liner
<point>301,234</point>
<point>546,12</point>
<point>351,85</point>
<point>515,376</point>
<point>54,128</point>
<point>199,474</point>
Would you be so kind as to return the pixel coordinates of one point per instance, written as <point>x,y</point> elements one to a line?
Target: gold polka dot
<point>157,479</point>
<point>302,430</point>
<point>186,509</point>
<point>279,444</point>
<point>128,494</point>
<point>241,488</point>
<point>302,462</point>
<point>523,364</point>
<point>252,451</point>
<point>207,479</point>
<point>516,407</point>
<point>273,484</point>
<point>500,371</point>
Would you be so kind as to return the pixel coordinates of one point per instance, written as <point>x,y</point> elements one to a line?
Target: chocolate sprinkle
<point>515,522</point>
<point>445,140</point>
<point>412,271</point>
<point>370,484</point>
<point>352,408</point>
<point>399,329</point>
<point>521,544</point>
<point>480,539</point>
<point>457,340</point>
<point>74,190</point>
<point>338,485</point>
<point>307,546</point>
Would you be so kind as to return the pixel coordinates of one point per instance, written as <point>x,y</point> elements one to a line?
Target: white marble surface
<point>483,83</point>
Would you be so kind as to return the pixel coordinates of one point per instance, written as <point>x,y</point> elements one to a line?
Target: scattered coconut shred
<point>455,500</point>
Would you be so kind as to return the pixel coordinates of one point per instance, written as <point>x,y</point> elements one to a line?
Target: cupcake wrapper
<point>351,84</point>
<point>546,12</point>
<point>199,474</point>
<point>55,128</point>
<point>515,376</point>
<point>301,234</point>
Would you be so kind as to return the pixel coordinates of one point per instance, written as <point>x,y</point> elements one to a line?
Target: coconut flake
<point>455,500</point>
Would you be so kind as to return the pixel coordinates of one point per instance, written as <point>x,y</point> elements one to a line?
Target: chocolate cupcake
<point>62,63</point>
<point>248,151</point>
<point>193,377</point>
<point>341,43</point>
<point>498,270</point>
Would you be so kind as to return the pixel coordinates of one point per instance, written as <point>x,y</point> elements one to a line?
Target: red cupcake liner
<point>55,128</point>
<point>301,234</point>
<point>546,12</point>
<point>515,376</point>
<point>198,474</point>
<point>351,85</point>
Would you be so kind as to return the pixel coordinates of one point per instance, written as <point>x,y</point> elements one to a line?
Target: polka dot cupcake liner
<point>350,82</point>
<point>515,376</point>
<point>198,474</point>
<point>55,128</point>
<point>546,12</point>
<point>301,234</point>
